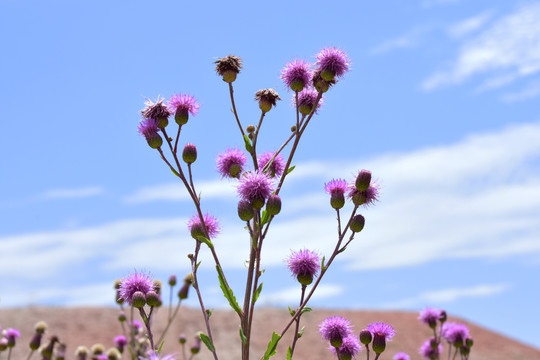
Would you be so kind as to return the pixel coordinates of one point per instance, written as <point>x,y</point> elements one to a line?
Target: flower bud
<point>181,116</point>
<point>433,343</point>
<point>443,316</point>
<point>357,223</point>
<point>11,336</point>
<point>117,284</point>
<point>250,129</point>
<point>153,299</point>
<point>184,290</point>
<point>245,211</point>
<point>35,343</point>
<point>172,280</point>
<point>122,316</point>
<point>157,286</point>
<point>189,155</point>
<point>293,128</point>
<point>363,180</point>
<point>273,205</point>
<point>365,336</point>
<point>469,342</point>
<point>465,350</point>
<point>40,327</point>
<point>3,344</point>
<point>118,298</point>
<point>138,300</point>
<point>120,342</point>
<point>113,354</point>
<point>379,343</point>
<point>337,200</point>
<point>47,351</point>
<point>196,345</point>
<point>257,202</point>
<point>182,339</point>
<point>82,352</point>
<point>97,349</point>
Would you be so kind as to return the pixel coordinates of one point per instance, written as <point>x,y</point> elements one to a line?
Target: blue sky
<point>441,105</point>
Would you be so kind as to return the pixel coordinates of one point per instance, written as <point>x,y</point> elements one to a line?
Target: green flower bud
<point>357,223</point>
<point>138,299</point>
<point>273,205</point>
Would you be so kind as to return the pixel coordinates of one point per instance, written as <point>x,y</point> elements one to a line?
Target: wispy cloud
<point>177,192</point>
<point>510,45</point>
<point>531,91</point>
<point>73,193</point>
<point>292,295</point>
<point>448,295</point>
<point>477,198</point>
<point>405,41</point>
<point>469,25</point>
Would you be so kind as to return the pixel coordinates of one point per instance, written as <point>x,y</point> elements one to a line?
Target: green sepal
<point>208,342</point>
<point>247,142</point>
<point>227,292</point>
<point>272,345</point>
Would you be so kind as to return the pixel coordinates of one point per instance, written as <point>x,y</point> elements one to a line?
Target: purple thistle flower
<point>12,335</point>
<point>332,62</point>
<point>149,129</point>
<point>349,348</point>
<point>182,106</point>
<point>156,110</point>
<point>153,356</point>
<point>255,187</point>
<point>382,329</point>
<point>184,102</point>
<point>367,197</point>
<point>134,283</point>
<point>336,188</point>
<point>455,333</point>
<point>335,329</point>
<point>231,163</point>
<point>306,101</point>
<point>428,352</point>
<point>304,264</point>
<point>277,166</point>
<point>401,356</point>
<point>196,228</point>
<point>430,316</point>
<point>120,341</point>
<point>296,74</point>
<point>136,324</point>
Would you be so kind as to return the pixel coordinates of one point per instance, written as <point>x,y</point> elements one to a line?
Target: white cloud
<point>467,26</point>
<point>177,192</point>
<point>449,295</point>
<point>73,193</point>
<point>530,92</point>
<point>511,44</point>
<point>292,295</point>
<point>477,198</point>
<point>405,41</point>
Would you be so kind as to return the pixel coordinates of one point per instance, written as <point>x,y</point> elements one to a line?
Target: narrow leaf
<point>289,353</point>
<point>272,345</point>
<point>322,262</point>
<point>175,172</point>
<point>306,309</point>
<point>227,292</point>
<point>291,169</point>
<point>291,311</point>
<point>206,340</point>
<point>160,346</point>
<point>265,217</point>
<point>206,241</point>
<point>248,144</point>
<point>242,336</point>
<point>301,332</point>
<point>257,292</point>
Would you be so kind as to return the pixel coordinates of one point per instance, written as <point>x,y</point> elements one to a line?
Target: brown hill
<point>87,326</point>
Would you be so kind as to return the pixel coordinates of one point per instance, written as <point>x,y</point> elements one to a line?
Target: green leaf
<point>265,217</point>
<point>248,144</point>
<point>291,311</point>
<point>272,345</point>
<point>322,263</point>
<point>208,313</point>
<point>301,332</point>
<point>257,292</point>
<point>206,241</point>
<point>227,292</point>
<point>306,309</point>
<point>289,353</point>
<point>160,346</point>
<point>242,336</point>
<point>174,171</point>
<point>206,340</point>
<point>291,169</point>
